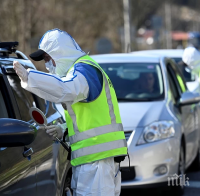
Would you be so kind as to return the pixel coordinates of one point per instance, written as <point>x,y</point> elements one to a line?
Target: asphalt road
<point>192,190</point>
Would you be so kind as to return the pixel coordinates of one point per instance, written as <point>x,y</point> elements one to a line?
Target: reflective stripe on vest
<point>98,148</point>
<point>99,142</point>
<point>98,156</point>
<point>95,132</point>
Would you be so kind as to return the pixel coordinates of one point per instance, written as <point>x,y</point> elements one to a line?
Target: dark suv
<point>30,162</point>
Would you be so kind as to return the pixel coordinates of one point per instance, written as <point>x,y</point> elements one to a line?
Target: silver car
<point>192,79</point>
<point>159,116</point>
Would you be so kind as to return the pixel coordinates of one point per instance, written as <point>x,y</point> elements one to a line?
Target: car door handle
<point>27,153</point>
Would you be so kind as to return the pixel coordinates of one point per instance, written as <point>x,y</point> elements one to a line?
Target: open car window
<point>185,70</point>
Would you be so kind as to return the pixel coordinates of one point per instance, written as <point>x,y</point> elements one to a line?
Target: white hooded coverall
<point>99,178</point>
<point>191,57</point>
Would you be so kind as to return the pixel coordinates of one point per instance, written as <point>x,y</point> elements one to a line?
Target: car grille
<point>127,134</point>
<point>127,174</point>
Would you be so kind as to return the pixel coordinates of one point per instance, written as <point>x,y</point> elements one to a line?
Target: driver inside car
<point>146,82</point>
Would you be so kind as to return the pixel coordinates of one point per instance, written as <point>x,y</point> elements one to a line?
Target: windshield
<point>136,81</point>
<point>186,71</point>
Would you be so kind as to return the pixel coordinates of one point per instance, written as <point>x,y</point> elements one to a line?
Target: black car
<point>31,163</point>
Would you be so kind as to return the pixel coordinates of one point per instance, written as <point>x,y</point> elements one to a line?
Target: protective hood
<point>62,48</point>
<point>191,57</point>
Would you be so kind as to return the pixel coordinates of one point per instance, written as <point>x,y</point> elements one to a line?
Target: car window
<point>173,88</point>
<point>45,106</point>
<point>3,110</point>
<point>136,81</point>
<point>174,82</point>
<point>180,78</point>
<point>185,70</point>
<point>40,103</point>
<point>23,98</point>
<point>181,82</point>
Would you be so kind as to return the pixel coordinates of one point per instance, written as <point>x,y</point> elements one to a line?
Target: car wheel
<point>179,190</point>
<point>195,166</point>
<point>67,185</point>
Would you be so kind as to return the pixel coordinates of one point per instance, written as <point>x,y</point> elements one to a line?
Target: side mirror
<point>189,98</point>
<point>15,133</point>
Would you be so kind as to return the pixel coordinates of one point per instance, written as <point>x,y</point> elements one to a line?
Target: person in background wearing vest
<point>95,130</point>
<point>191,57</point>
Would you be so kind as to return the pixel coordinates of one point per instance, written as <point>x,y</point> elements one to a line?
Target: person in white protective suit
<point>191,57</point>
<point>75,83</point>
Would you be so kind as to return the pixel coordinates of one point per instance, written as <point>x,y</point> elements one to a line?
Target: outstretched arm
<point>73,88</point>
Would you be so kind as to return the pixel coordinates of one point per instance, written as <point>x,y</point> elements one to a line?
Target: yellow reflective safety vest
<point>94,128</point>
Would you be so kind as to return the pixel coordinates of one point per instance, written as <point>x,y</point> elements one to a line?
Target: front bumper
<point>144,159</point>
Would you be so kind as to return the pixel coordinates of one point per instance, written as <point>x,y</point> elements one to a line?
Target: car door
<point>50,157</point>
<point>17,174</point>
<point>188,113</point>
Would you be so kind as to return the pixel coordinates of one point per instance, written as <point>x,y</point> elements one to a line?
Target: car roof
<point>172,53</point>
<point>9,61</point>
<point>126,57</point>
<point>9,53</point>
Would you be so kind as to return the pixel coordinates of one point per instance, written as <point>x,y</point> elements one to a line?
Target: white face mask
<point>50,67</point>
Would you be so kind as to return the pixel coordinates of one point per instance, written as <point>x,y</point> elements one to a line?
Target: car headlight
<point>157,131</point>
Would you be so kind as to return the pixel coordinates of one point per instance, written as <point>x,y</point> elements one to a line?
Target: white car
<point>159,118</point>
<point>192,80</point>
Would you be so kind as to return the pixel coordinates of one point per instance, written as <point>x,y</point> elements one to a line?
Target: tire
<point>179,190</point>
<point>195,166</point>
